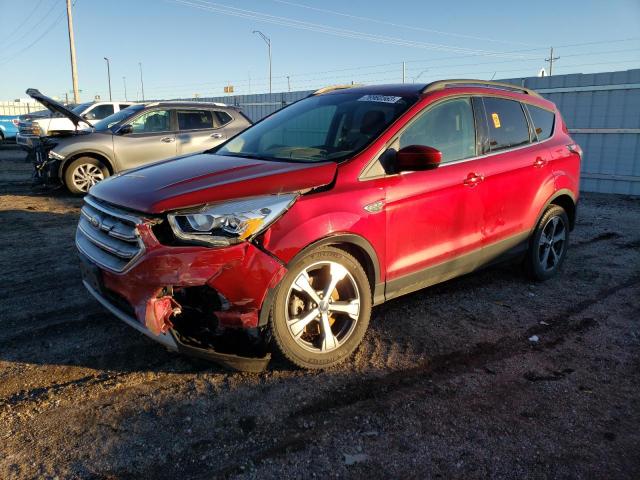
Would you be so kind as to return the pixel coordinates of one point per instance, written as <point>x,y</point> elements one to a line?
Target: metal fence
<point>19,108</point>
<point>602,111</point>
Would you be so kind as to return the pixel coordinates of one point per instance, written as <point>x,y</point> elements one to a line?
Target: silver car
<point>135,136</point>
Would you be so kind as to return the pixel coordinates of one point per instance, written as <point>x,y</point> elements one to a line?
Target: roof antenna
<point>493,76</point>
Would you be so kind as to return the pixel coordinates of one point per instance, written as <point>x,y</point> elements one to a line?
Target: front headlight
<point>224,224</point>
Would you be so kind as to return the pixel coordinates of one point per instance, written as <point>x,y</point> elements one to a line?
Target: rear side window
<point>122,106</point>
<point>195,119</point>
<point>223,117</point>
<point>543,121</point>
<point>100,112</point>
<point>508,126</point>
<point>448,126</point>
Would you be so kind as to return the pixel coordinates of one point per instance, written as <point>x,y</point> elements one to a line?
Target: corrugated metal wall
<point>602,111</point>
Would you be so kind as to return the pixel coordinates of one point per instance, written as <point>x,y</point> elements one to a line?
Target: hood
<point>56,107</point>
<point>205,178</point>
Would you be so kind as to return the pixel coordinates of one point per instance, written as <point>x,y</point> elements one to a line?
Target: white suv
<point>32,127</point>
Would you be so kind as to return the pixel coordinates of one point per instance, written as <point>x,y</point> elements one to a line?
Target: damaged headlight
<point>228,223</point>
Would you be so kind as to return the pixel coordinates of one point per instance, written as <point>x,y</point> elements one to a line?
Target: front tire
<point>548,247</point>
<point>83,173</point>
<point>322,308</point>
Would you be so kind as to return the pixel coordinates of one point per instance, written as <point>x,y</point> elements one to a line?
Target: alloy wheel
<point>86,176</point>
<point>323,307</point>
<point>551,245</point>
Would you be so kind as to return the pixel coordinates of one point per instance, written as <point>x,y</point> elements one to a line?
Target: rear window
<point>195,119</point>
<point>543,121</point>
<point>508,126</point>
<point>223,117</point>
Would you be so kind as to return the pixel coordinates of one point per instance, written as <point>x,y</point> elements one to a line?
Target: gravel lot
<point>447,383</point>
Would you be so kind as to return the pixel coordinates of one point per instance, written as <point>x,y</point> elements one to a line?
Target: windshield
<point>319,128</point>
<point>118,117</point>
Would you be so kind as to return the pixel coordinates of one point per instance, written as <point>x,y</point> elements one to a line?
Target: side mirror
<point>125,129</point>
<point>417,157</point>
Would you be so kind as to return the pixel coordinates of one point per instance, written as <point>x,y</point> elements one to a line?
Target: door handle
<point>540,162</point>
<point>217,135</point>
<point>167,139</point>
<point>473,179</point>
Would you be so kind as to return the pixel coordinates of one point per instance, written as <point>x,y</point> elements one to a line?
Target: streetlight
<point>418,76</point>
<point>124,80</point>
<point>141,82</point>
<point>267,40</point>
<point>288,83</point>
<point>108,77</point>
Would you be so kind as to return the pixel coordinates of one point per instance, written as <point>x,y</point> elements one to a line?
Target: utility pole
<point>72,51</point>
<point>267,40</point>
<point>124,80</point>
<point>109,77</point>
<point>403,71</point>
<point>551,59</point>
<point>288,83</point>
<point>141,82</point>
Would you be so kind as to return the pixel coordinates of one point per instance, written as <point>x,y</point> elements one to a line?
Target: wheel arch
<point>352,244</point>
<point>566,200</point>
<point>62,170</point>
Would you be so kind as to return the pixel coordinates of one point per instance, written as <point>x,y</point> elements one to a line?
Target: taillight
<point>575,148</point>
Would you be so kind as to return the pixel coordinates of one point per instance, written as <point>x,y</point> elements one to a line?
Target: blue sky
<point>197,46</point>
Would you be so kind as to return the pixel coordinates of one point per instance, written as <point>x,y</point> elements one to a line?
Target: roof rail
<point>442,84</point>
<point>331,88</point>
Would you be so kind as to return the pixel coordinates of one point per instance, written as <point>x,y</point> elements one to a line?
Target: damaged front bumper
<point>186,297</point>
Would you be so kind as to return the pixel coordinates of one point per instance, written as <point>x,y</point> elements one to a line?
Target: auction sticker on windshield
<point>379,98</point>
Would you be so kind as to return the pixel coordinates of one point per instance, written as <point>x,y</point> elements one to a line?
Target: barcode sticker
<point>379,98</point>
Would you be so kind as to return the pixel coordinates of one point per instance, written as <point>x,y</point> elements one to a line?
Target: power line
<point>212,84</point>
<point>26,19</point>
<point>320,28</point>
<point>397,25</point>
<point>35,27</point>
<point>37,39</point>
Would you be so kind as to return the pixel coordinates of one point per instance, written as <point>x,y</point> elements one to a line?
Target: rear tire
<point>549,242</point>
<point>83,173</point>
<point>322,308</point>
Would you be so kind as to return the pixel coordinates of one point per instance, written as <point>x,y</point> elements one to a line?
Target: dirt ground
<point>446,385</point>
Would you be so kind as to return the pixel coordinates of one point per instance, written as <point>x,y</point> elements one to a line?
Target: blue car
<point>8,128</point>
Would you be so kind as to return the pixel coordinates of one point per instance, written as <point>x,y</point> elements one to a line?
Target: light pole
<point>124,80</point>
<point>141,82</point>
<point>109,78</point>
<point>267,40</point>
<point>418,76</point>
<point>288,83</point>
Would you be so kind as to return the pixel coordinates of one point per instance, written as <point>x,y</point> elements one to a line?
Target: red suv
<point>289,233</point>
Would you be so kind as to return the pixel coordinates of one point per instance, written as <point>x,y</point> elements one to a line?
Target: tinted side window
<point>508,126</point>
<point>122,107</point>
<point>195,119</point>
<point>223,117</point>
<point>448,126</point>
<point>543,121</point>
<point>100,112</point>
<point>153,121</point>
